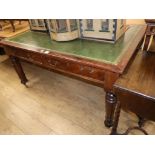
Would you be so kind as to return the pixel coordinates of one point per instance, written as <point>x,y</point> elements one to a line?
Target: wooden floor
<point>53,104</point>
<point>7,30</point>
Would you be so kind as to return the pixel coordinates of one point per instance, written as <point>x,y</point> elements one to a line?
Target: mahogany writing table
<point>95,62</point>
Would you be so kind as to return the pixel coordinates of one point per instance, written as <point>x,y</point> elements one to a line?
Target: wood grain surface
<point>53,104</point>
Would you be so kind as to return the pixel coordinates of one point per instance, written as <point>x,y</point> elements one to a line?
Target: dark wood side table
<point>135,90</point>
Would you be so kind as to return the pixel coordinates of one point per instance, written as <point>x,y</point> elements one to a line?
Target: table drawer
<point>74,67</point>
<point>52,62</point>
<point>27,55</point>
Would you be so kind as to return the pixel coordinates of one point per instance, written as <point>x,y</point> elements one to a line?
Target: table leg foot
<point>108,123</point>
<point>24,81</point>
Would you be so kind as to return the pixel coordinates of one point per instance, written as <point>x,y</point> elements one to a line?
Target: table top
<point>98,51</point>
<point>140,76</point>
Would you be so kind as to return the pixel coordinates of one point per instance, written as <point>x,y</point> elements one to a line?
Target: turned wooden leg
<point>146,43</point>
<point>17,65</point>
<point>0,27</point>
<point>148,38</point>
<point>110,107</point>
<point>116,119</point>
<point>12,24</point>
<point>141,121</point>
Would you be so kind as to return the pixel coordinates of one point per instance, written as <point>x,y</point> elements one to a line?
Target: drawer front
<point>74,67</point>
<point>30,56</point>
<point>33,57</point>
<point>55,63</point>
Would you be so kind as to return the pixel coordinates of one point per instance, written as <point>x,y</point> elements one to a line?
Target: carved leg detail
<point>17,65</point>
<point>116,119</point>
<point>110,107</point>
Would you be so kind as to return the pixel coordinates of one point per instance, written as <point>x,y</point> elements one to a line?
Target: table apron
<point>61,65</point>
<point>136,103</point>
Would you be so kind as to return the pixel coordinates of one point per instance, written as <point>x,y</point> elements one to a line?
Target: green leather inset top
<point>100,51</point>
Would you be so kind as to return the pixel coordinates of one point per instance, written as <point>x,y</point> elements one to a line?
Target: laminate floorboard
<point>53,104</point>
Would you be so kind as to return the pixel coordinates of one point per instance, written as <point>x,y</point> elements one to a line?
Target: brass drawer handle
<point>52,63</point>
<point>91,70</point>
<point>30,57</point>
<point>81,68</point>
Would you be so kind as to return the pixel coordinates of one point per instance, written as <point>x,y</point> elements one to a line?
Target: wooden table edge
<point>116,68</point>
